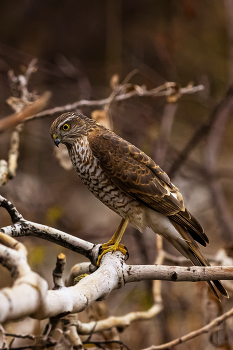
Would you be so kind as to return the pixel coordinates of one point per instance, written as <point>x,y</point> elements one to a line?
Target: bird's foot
<point>108,247</point>
<point>79,278</point>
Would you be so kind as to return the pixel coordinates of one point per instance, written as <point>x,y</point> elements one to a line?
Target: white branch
<point>121,321</point>
<point>136,273</point>
<point>24,298</point>
<point>30,291</point>
<point>28,228</point>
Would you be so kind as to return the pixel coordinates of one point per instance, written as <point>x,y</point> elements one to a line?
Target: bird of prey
<point>130,183</point>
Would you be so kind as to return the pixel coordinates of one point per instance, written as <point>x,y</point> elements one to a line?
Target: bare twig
<point>142,93</point>
<point>24,108</point>
<point>156,288</point>
<point>216,322</point>
<point>22,336</point>
<point>200,133</point>
<point>122,321</point>
<point>13,212</point>
<point>25,113</point>
<point>70,331</point>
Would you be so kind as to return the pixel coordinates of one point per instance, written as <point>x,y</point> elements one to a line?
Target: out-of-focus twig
<point>163,90</point>
<point>200,133</point>
<point>27,112</point>
<point>157,284</point>
<point>216,322</point>
<point>24,106</point>
<point>71,333</point>
<point>121,321</point>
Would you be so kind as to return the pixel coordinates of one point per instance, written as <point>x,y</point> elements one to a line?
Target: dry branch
<point>29,295</point>
<point>134,273</point>
<point>216,322</point>
<point>122,321</point>
<point>168,90</point>
<point>201,132</point>
<point>27,112</point>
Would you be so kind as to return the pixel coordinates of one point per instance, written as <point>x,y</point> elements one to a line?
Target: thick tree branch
<point>136,273</point>
<point>30,291</point>
<point>113,273</point>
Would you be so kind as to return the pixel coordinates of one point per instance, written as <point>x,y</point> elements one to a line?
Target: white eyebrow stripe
<point>66,120</point>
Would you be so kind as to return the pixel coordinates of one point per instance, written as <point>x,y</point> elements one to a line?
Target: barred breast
<point>90,172</point>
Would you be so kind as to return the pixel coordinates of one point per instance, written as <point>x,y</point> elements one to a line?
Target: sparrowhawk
<point>130,183</point>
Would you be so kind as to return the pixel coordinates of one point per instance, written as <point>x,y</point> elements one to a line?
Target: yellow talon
<point>111,248</point>
<point>114,243</point>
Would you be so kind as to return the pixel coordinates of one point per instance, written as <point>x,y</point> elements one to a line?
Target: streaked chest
<point>88,168</point>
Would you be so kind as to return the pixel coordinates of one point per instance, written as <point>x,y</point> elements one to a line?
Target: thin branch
<point>200,133</point>
<point>27,112</point>
<point>13,212</point>
<point>70,331</point>
<point>25,106</point>
<point>157,284</point>
<point>121,321</point>
<point>140,93</point>
<point>216,322</point>
<point>22,336</point>
<point>28,228</point>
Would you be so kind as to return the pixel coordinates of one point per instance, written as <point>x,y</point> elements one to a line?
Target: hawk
<point>131,184</point>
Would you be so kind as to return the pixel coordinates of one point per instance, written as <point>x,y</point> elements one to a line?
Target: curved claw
<point>106,248</point>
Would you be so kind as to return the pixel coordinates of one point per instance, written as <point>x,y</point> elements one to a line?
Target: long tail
<point>194,254</point>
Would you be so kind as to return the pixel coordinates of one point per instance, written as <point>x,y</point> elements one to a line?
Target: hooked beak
<point>56,140</point>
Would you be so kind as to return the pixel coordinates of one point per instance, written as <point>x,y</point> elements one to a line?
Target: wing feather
<point>140,177</point>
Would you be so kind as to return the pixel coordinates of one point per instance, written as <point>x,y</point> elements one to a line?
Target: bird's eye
<point>65,127</point>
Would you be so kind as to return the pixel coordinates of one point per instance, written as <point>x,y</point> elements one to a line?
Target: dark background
<point>79,46</point>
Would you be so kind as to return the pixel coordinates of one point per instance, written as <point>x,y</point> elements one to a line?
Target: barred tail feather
<point>194,254</point>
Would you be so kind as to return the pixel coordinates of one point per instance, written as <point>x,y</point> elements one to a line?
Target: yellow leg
<point>114,243</point>
<point>114,237</point>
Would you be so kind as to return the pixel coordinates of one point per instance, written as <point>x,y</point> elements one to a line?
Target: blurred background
<point>80,45</point>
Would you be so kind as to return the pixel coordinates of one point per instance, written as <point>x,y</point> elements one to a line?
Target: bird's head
<point>69,127</point>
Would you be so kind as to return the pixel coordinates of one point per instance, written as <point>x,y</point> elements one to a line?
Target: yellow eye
<point>65,127</point>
